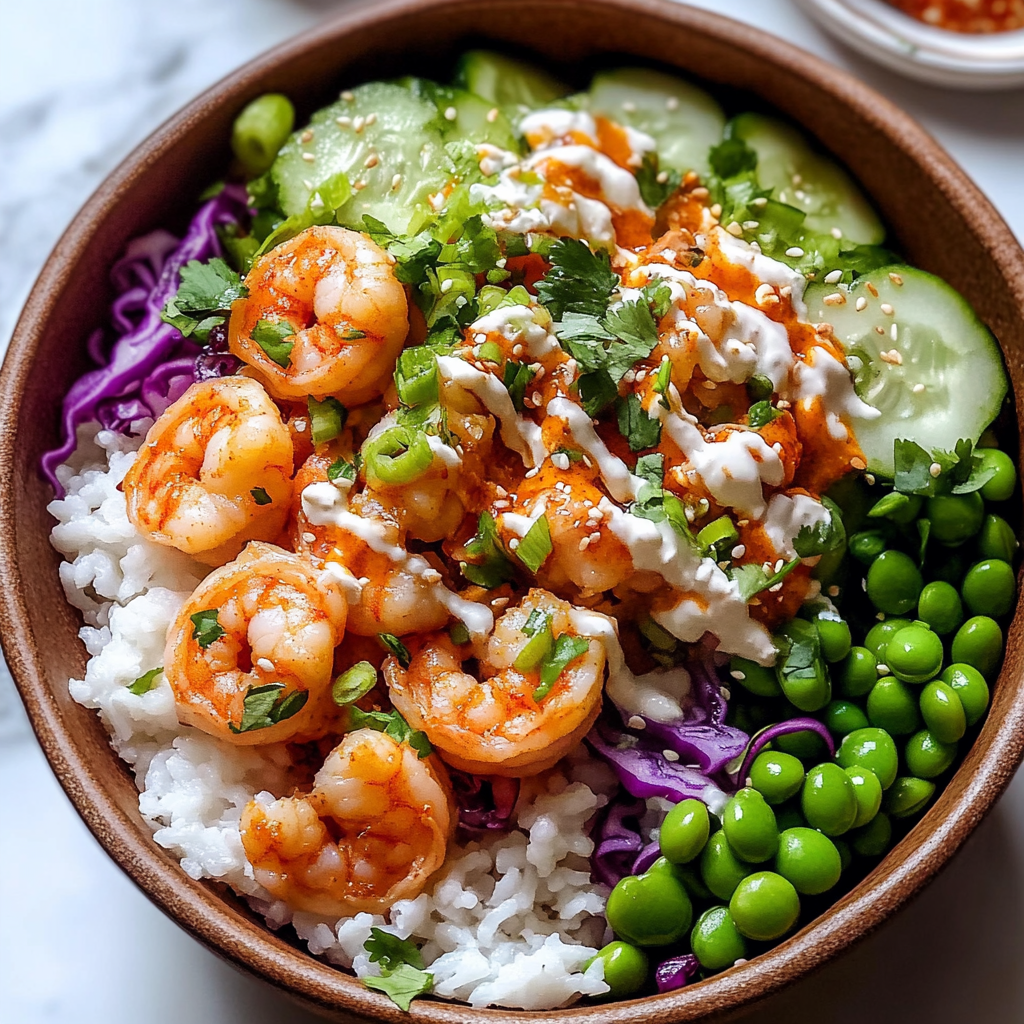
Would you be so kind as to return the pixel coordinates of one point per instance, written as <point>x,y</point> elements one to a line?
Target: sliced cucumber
<point>398,129</point>
<point>807,180</point>
<point>942,377</point>
<point>507,83</point>
<point>684,121</point>
<point>475,118</point>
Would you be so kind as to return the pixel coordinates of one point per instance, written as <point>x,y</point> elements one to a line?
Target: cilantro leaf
<point>326,418</point>
<point>535,547</point>
<point>960,471</point>
<point>145,682</point>
<point>494,566</point>
<point>823,537</point>
<point>651,468</point>
<point>516,378</point>
<point>566,649</point>
<point>392,724</point>
<point>752,579</point>
<point>390,951</point>
<point>761,414</point>
<point>632,323</point>
<point>260,496</point>
<point>579,281</point>
<point>341,470</point>
<point>732,157</point>
<point>270,336</point>
<point>395,647</point>
<point>354,683</point>
<point>639,429</point>
<point>652,190</point>
<point>597,392</point>
<point>204,297</point>
<point>799,655</point>
<point>658,505</point>
<point>205,627</point>
<point>265,706</point>
<point>402,985</point>
<point>658,296</point>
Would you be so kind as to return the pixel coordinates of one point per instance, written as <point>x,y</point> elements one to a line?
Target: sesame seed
<point>372,160</point>
<point>836,233</point>
<point>661,177</point>
<point>499,602</point>
<point>918,388</point>
<point>879,330</point>
<point>881,668</point>
<point>396,182</point>
<point>751,225</point>
<point>779,564</point>
<point>513,543</point>
<point>670,755</point>
<point>935,469</point>
<point>560,461</point>
<point>530,473</point>
<point>739,551</point>
<point>759,204</point>
<point>629,107</point>
<point>348,96</point>
<point>300,426</point>
<point>833,591</point>
<point>833,276</point>
<point>835,299</point>
<point>782,404</point>
<point>446,285</point>
<point>309,157</point>
<point>450,114</point>
<point>716,210</point>
<point>734,229</point>
<point>584,544</point>
<point>869,479</point>
<point>871,288</point>
<point>862,304</point>
<point>795,252</point>
<point>896,280</point>
<point>371,119</point>
<point>358,123</point>
<point>537,398</point>
<point>892,357</point>
<point>671,102</point>
<point>343,122</point>
<point>858,463</point>
<point>266,664</point>
<point>709,384</point>
<point>309,538</point>
<point>307,135</point>
<point>492,115</point>
<point>738,675</point>
<point>636,722</point>
<point>886,309</point>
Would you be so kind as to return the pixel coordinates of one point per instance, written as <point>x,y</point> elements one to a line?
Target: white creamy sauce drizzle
<point>787,515</point>
<point>523,436</point>
<point>823,377</point>
<point>325,505</point>
<point>519,324</point>
<point>768,271</point>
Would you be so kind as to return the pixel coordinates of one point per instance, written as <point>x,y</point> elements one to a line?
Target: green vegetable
<point>881,633</point>
<point>873,839</point>
<point>955,518</point>
<point>625,968</point>
<point>271,337</point>
<point>684,831</point>
<point>996,538</point>
<point>970,686</point>
<point>416,377</point>
<point>398,455</point>
<point>894,583</point>
<point>800,668</point>
<point>639,429</point>
<point>535,546</point>
<point>857,673</point>
<point>392,724</point>
<point>652,909</point>
<point>565,651</point>
<point>764,906</point>
<point>828,799</point>
<point>326,418</point>
<point>204,297</point>
<point>341,470</point>
<point>939,605</point>
<point>205,627</point>
<point>979,642</point>
<point>776,776</point>
<point>868,791</point>
<point>395,646</point>
<point>579,281</point>
<point>539,645</point>
<point>867,545</point>
<point>842,717</point>
<point>402,976</point>
<point>943,713</point>
<point>265,706</point>
<point>908,796</point>
<point>720,868</point>
<point>756,678</point>
<point>927,756</point>
<point>354,683</point>
<point>655,185</point>
<point>491,566</point>
<point>718,536</point>
<point>716,941</point>
<point>990,588</point>
<point>1003,478</point>
<point>809,860</point>
<point>892,706</point>
<point>749,826</point>
<point>872,749</point>
<point>145,682</point>
<point>914,654</point>
<point>260,130</point>
<point>834,634</point>
<point>507,82</point>
<point>260,496</point>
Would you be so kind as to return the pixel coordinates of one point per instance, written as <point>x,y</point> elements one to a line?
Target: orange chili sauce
<point>972,16</point>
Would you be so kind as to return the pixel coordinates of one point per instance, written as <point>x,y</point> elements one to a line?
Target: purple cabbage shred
<point>149,364</point>
<point>772,732</point>
<point>675,972</point>
<point>484,803</point>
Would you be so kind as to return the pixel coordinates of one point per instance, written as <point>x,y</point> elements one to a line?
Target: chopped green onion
<point>490,352</point>
<point>761,414</point>
<point>270,336</point>
<point>535,547</point>
<point>516,379</point>
<point>718,534</point>
<point>351,334</point>
<point>494,566</point>
<point>656,635</point>
<point>416,377</point>
<point>664,377</point>
<point>537,648</point>
<point>326,418</point>
<point>760,387</point>
<point>396,647</point>
<point>145,682</point>
<point>459,634</point>
<point>399,455</point>
<point>356,682</point>
<point>566,649</point>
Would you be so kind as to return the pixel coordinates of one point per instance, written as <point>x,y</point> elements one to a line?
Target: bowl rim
<point>200,909</point>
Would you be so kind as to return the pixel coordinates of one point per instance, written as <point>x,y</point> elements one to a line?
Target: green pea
<point>881,633</point>
<point>625,968</point>
<point>716,941</point>
<point>684,831</point>
<point>749,826</point>
<point>776,776</point>
<point>842,717</point>
<point>939,605</point>
<point>799,667</point>
<point>892,706</point>
<point>996,539</point>
<point>845,853</point>
<point>652,909</point>
<point>927,756</point>
<point>970,686</point>
<point>809,860</point>
<point>764,906</point>
<point>867,545</point>
<point>755,678</point>
<point>1000,486</point>
<point>873,839</point>
<point>894,583</point>
<point>805,744</point>
<point>857,672</point>
<point>873,749</point>
<point>260,130</point>
<point>690,877</point>
<point>990,587</point>
<point>955,517</point>
<point>942,712</point>
<point>907,796</point>
<point>834,634</point>
<point>914,654</point>
<point>720,868</point>
<point>979,642</point>
<point>828,799</point>
<point>948,564</point>
<point>868,791</point>
<point>789,815</point>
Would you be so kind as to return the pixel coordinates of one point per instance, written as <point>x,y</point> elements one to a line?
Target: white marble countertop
<point>80,85</point>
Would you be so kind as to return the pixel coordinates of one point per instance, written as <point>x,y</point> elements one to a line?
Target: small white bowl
<point>957,60</point>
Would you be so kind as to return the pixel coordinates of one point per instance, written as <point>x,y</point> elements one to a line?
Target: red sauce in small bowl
<point>977,16</point>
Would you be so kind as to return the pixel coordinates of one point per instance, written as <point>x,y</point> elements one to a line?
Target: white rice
<point>509,921</point>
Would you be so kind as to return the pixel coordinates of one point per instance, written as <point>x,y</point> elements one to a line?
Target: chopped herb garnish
<point>354,683</point>
<point>517,377</point>
<point>458,634</point>
<point>535,547</point>
<point>579,281</point>
<point>260,496</point>
<point>752,579</point>
<point>204,297</point>
<point>205,627</point>
<point>928,474</point>
<point>566,649</point>
<point>416,377</point>
<point>265,706</point>
<point>270,336</point>
<point>341,470</point>
<point>760,387</point>
<point>572,454</point>
<point>732,157</point>
<point>392,724</point>
<point>658,296</point>
<point>396,647</point>
<point>351,334</point>
<point>761,414</point>
<point>402,985</point>
<point>390,951</point>
<point>823,537</point>
<point>490,352</point>
<point>655,186</point>
<point>491,566</point>
<point>639,429</point>
<point>145,682</point>
<point>663,378</point>
<point>326,418</point>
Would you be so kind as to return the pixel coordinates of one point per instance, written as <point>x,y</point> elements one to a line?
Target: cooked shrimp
<point>494,725</point>
<point>267,619</point>
<point>215,471</point>
<point>373,830</point>
<point>362,535</point>
<point>337,289</point>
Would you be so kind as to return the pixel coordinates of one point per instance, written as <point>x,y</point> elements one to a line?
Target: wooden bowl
<point>937,218</point>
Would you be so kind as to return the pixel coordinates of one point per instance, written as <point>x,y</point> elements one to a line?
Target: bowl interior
<point>936,218</point>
